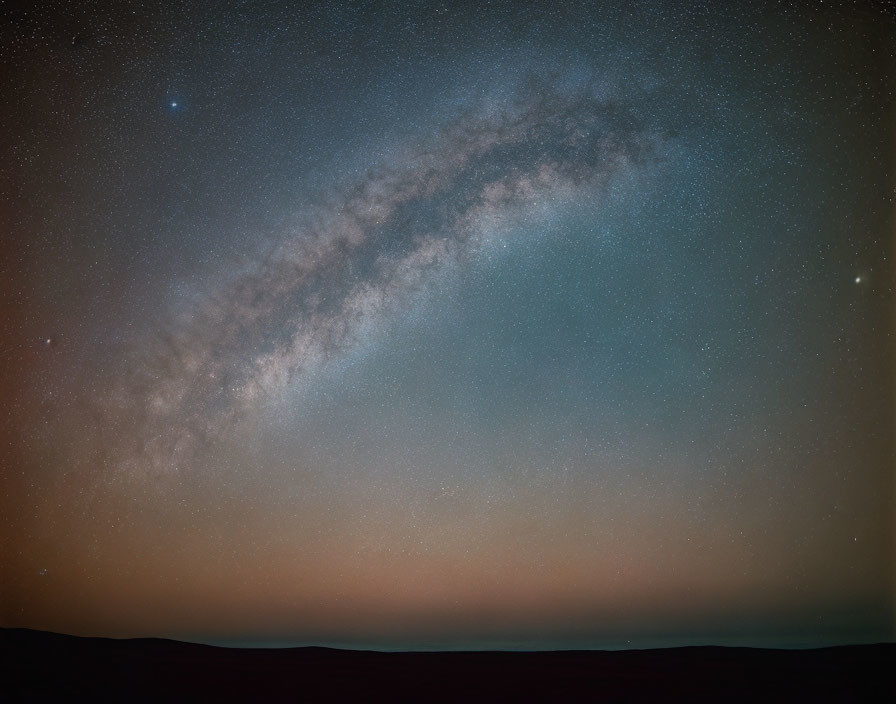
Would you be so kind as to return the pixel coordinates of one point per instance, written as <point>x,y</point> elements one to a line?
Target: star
<point>858,279</point>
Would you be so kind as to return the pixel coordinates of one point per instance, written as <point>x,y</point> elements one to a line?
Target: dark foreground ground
<point>40,666</point>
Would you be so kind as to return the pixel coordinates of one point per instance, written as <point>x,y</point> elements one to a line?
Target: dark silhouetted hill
<point>38,666</point>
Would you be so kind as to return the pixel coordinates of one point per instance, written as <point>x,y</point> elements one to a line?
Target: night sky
<point>437,325</point>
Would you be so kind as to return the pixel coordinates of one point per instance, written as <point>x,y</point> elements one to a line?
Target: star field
<point>405,325</point>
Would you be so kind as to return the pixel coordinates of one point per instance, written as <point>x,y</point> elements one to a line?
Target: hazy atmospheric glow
<point>406,325</point>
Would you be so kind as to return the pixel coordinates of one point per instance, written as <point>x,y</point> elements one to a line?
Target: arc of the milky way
<point>363,252</point>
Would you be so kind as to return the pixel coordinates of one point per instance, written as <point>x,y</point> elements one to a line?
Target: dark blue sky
<point>501,324</point>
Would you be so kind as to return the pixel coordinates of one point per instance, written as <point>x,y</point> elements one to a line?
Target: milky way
<point>369,249</point>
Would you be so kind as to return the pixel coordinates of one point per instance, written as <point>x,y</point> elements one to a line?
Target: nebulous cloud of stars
<point>359,256</point>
